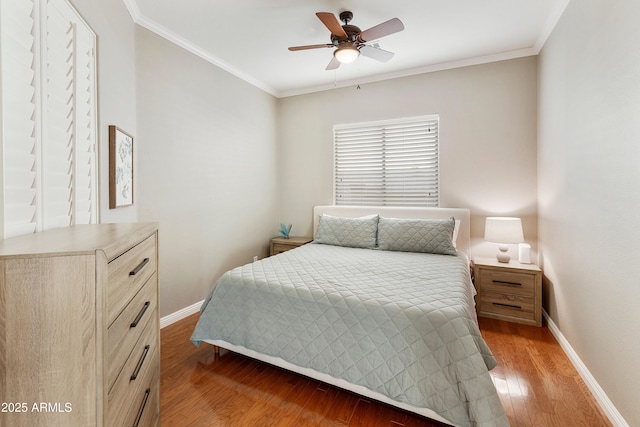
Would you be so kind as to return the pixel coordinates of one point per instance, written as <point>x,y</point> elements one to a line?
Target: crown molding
<point>486,59</point>
<point>550,24</point>
<point>154,27</point>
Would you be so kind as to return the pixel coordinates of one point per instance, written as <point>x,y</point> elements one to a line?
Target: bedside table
<point>508,291</point>
<point>280,244</point>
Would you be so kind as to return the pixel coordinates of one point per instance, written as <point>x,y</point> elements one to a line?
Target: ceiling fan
<point>350,41</point>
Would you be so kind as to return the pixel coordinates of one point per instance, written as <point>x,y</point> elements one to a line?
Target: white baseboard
<point>180,314</point>
<point>601,397</point>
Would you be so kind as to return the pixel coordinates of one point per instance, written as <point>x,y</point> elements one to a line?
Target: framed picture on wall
<point>120,168</point>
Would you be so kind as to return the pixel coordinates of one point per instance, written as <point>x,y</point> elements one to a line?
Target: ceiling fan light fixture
<point>346,54</point>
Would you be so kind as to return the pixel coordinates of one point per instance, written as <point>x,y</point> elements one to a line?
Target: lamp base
<point>503,256</point>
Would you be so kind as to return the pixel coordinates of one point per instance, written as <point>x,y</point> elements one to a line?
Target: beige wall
<point>487,140</point>
<point>207,167</point>
<point>589,190</point>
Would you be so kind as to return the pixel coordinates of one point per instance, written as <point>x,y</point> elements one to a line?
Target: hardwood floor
<point>537,384</point>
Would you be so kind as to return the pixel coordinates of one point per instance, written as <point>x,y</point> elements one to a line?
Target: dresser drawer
<point>141,364</point>
<point>127,328</point>
<point>507,282</point>
<point>144,411</point>
<point>127,274</point>
<point>518,306</point>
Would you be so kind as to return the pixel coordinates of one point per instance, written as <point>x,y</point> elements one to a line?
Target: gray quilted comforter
<point>400,324</point>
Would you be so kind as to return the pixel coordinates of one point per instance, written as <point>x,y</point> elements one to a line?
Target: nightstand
<point>281,244</point>
<point>508,291</point>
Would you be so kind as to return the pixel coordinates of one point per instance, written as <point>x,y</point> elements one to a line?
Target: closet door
<point>49,144</point>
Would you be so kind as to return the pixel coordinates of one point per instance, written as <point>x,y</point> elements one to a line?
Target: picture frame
<point>120,168</point>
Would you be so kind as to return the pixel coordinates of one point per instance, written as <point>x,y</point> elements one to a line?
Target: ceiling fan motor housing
<point>352,35</point>
<point>346,16</point>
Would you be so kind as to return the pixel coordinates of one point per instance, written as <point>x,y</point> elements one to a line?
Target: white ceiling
<point>249,38</point>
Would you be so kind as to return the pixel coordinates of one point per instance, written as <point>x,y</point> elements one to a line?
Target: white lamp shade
<point>500,229</point>
<point>346,54</point>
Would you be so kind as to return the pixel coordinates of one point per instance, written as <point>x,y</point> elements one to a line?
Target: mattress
<point>398,324</point>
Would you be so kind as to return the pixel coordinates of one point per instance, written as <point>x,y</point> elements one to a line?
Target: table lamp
<point>504,231</point>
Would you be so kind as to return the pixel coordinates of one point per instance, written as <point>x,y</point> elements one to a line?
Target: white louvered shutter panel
<point>49,132</point>
<point>58,118</point>
<point>18,136</point>
<point>387,163</point>
<point>85,186</point>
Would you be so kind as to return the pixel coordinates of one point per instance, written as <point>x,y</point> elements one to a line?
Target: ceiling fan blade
<point>376,53</point>
<point>311,46</point>
<point>331,22</point>
<point>334,64</point>
<point>389,27</point>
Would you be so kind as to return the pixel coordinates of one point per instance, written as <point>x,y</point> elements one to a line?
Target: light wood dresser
<point>79,327</point>
<point>508,291</point>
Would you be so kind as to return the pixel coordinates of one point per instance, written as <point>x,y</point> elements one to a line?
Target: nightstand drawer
<point>507,305</point>
<point>278,248</point>
<point>508,282</point>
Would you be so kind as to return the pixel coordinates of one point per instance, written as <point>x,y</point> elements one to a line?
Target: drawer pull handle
<point>140,362</point>
<point>141,410</point>
<point>508,305</point>
<point>142,312</point>
<point>139,267</point>
<point>503,283</point>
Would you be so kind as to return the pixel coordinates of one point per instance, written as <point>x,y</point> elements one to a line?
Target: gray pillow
<point>352,232</point>
<point>432,236</point>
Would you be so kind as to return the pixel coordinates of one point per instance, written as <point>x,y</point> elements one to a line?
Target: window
<point>48,117</point>
<point>387,163</point>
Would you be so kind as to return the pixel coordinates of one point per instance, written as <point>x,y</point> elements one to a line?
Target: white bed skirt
<point>311,373</point>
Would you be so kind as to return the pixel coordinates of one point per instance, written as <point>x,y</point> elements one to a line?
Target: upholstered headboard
<point>462,215</point>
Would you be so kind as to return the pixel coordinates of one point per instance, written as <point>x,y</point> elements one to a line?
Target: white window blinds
<point>387,163</point>
<point>48,127</point>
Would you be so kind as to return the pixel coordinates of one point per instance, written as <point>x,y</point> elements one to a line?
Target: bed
<point>380,303</point>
